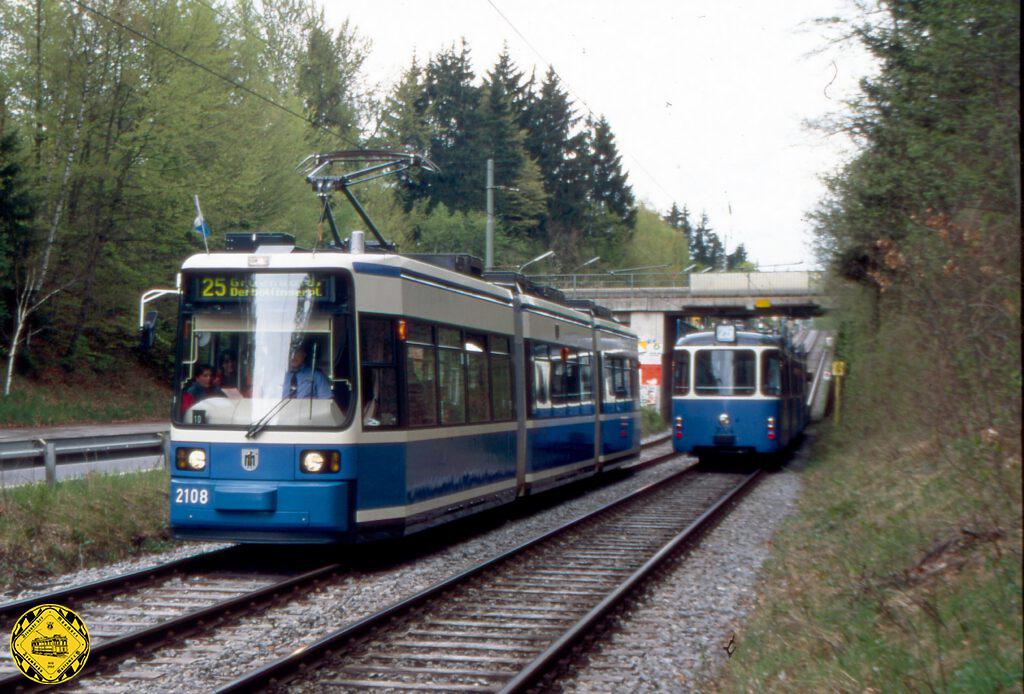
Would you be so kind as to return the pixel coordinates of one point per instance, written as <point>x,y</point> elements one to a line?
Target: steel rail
<point>108,653</point>
<point>542,663</point>
<point>75,593</point>
<point>275,672</point>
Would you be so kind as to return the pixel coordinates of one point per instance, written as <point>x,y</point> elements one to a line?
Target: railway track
<point>501,625</point>
<point>128,614</point>
<point>146,609</point>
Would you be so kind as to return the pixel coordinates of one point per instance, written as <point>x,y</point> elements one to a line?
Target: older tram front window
<point>771,372</point>
<point>681,372</point>
<point>266,349</point>
<point>725,372</point>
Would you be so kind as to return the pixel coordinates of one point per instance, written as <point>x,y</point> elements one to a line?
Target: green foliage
<point>939,127</point>
<point>654,243</point>
<point>903,568</point>
<point>16,213</point>
<point>651,421</point>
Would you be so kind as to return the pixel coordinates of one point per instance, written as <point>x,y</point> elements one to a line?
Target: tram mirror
<point>147,335</point>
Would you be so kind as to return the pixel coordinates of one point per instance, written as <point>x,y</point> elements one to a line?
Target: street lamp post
<point>542,256</point>
<point>580,267</point>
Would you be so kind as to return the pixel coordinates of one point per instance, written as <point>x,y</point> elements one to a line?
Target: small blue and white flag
<point>199,225</point>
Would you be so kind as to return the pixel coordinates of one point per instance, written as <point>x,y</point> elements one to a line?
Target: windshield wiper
<point>264,421</point>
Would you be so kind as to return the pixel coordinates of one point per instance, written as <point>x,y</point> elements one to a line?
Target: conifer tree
<point>737,258</point>
<point>698,241</point>
<point>561,155</point>
<point>520,198</point>
<point>674,217</point>
<point>405,124</point>
<point>453,107</point>
<point>610,190</point>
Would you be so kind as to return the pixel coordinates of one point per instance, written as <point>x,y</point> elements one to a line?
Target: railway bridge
<point>659,306</point>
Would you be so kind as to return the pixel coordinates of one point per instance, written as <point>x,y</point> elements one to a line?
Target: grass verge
<point>901,571</point>
<point>46,530</point>
<point>52,400</point>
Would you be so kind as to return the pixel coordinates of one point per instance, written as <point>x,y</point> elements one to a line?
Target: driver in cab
<point>302,380</point>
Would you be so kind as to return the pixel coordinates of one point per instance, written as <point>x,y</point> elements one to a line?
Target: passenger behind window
<point>227,377</point>
<point>202,387</point>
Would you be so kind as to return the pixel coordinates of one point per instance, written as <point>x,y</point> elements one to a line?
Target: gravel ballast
<point>678,631</point>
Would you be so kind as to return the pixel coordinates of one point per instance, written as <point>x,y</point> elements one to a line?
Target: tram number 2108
<point>191,495</point>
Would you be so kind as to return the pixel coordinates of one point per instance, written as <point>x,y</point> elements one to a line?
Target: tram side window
<point>586,379</point>
<point>379,380</point>
<point>451,379</point>
<point>620,378</point>
<point>477,382</point>
<point>559,367</point>
<point>420,373</point>
<point>501,378</point>
<point>771,372</point>
<point>541,367</point>
<point>572,376</point>
<point>681,373</point>
<point>608,378</point>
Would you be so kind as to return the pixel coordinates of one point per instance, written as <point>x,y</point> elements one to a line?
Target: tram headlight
<point>190,459</point>
<point>320,461</point>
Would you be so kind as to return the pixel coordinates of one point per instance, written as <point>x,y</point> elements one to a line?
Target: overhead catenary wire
<point>211,71</point>
<point>576,96</point>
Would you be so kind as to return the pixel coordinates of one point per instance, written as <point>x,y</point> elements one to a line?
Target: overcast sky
<point>707,99</point>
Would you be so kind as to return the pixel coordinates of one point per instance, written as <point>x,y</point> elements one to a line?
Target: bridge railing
<point>606,280</point>
<point>713,283</point>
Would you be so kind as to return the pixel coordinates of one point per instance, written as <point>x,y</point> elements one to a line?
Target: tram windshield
<point>264,350</point>
<point>725,372</point>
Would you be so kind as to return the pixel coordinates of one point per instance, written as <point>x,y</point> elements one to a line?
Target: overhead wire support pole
<point>489,237</point>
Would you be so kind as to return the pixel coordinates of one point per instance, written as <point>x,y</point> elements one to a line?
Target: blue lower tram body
<point>747,430</point>
<point>380,490</point>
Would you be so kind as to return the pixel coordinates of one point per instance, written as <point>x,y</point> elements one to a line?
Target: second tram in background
<point>736,392</point>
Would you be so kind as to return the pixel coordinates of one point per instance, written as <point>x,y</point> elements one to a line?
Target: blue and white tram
<point>736,392</point>
<point>364,395</point>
